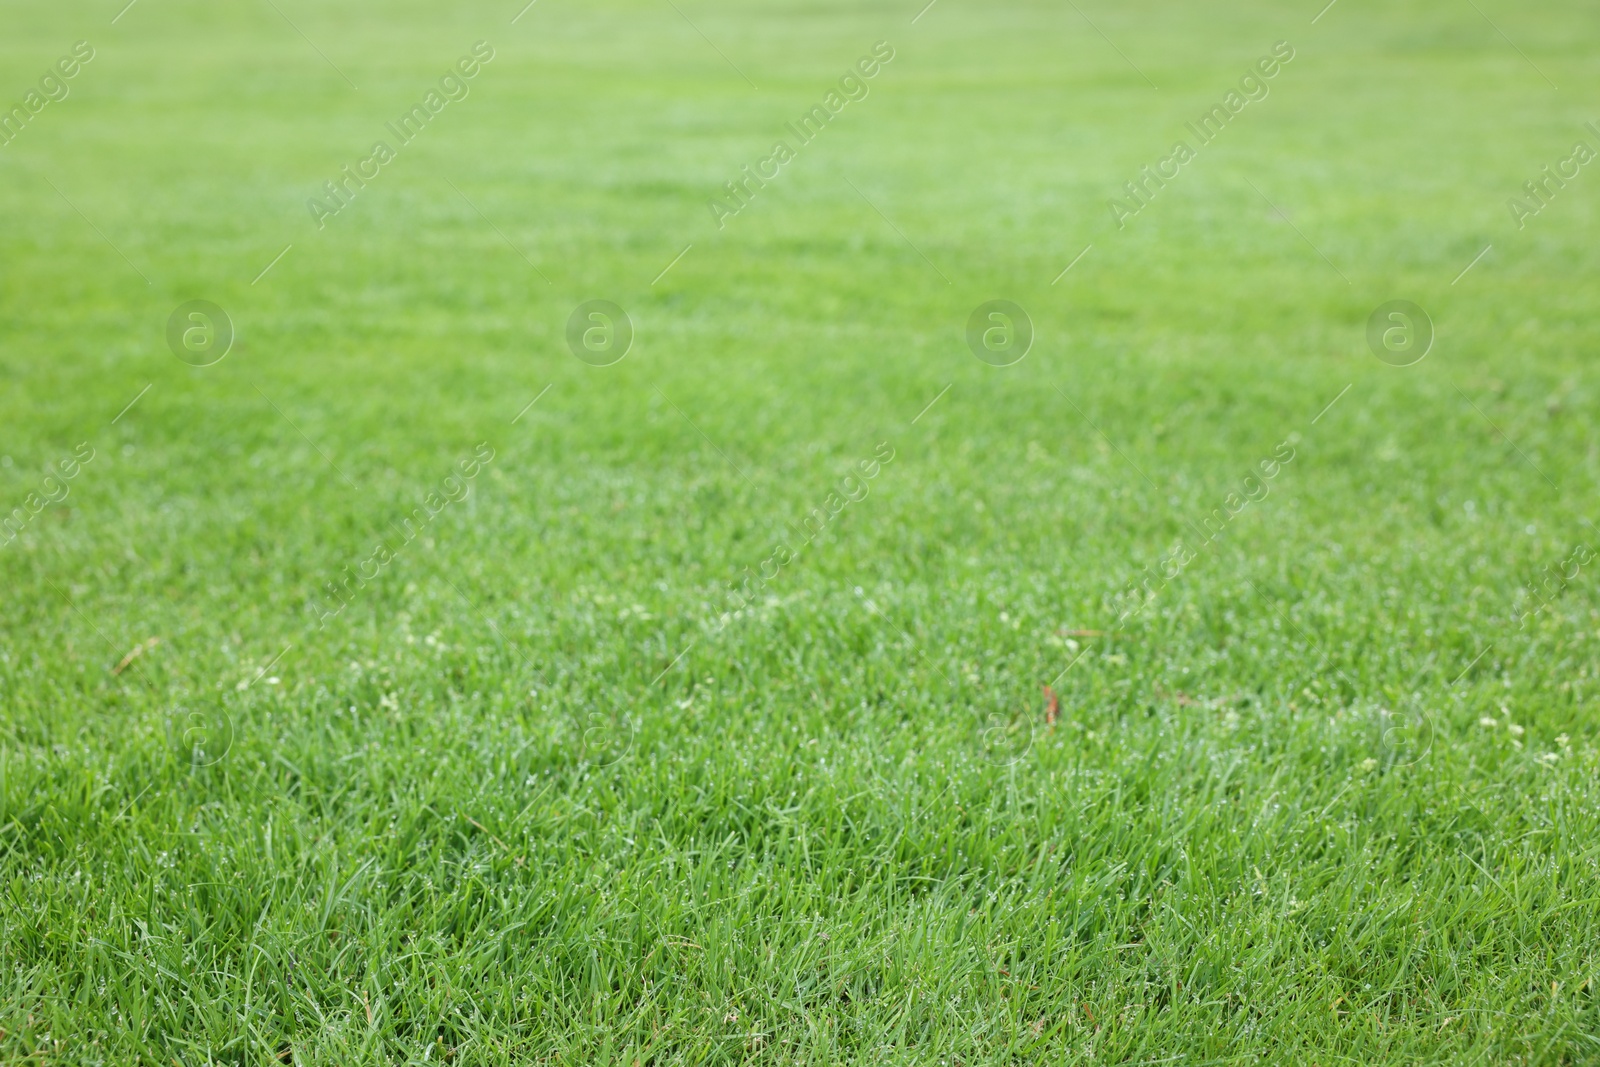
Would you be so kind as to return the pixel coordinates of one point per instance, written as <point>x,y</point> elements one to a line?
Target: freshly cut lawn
<point>401,688</point>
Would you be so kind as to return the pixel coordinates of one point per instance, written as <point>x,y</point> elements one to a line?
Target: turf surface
<point>401,688</point>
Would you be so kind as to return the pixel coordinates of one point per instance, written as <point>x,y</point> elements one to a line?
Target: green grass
<point>538,795</point>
